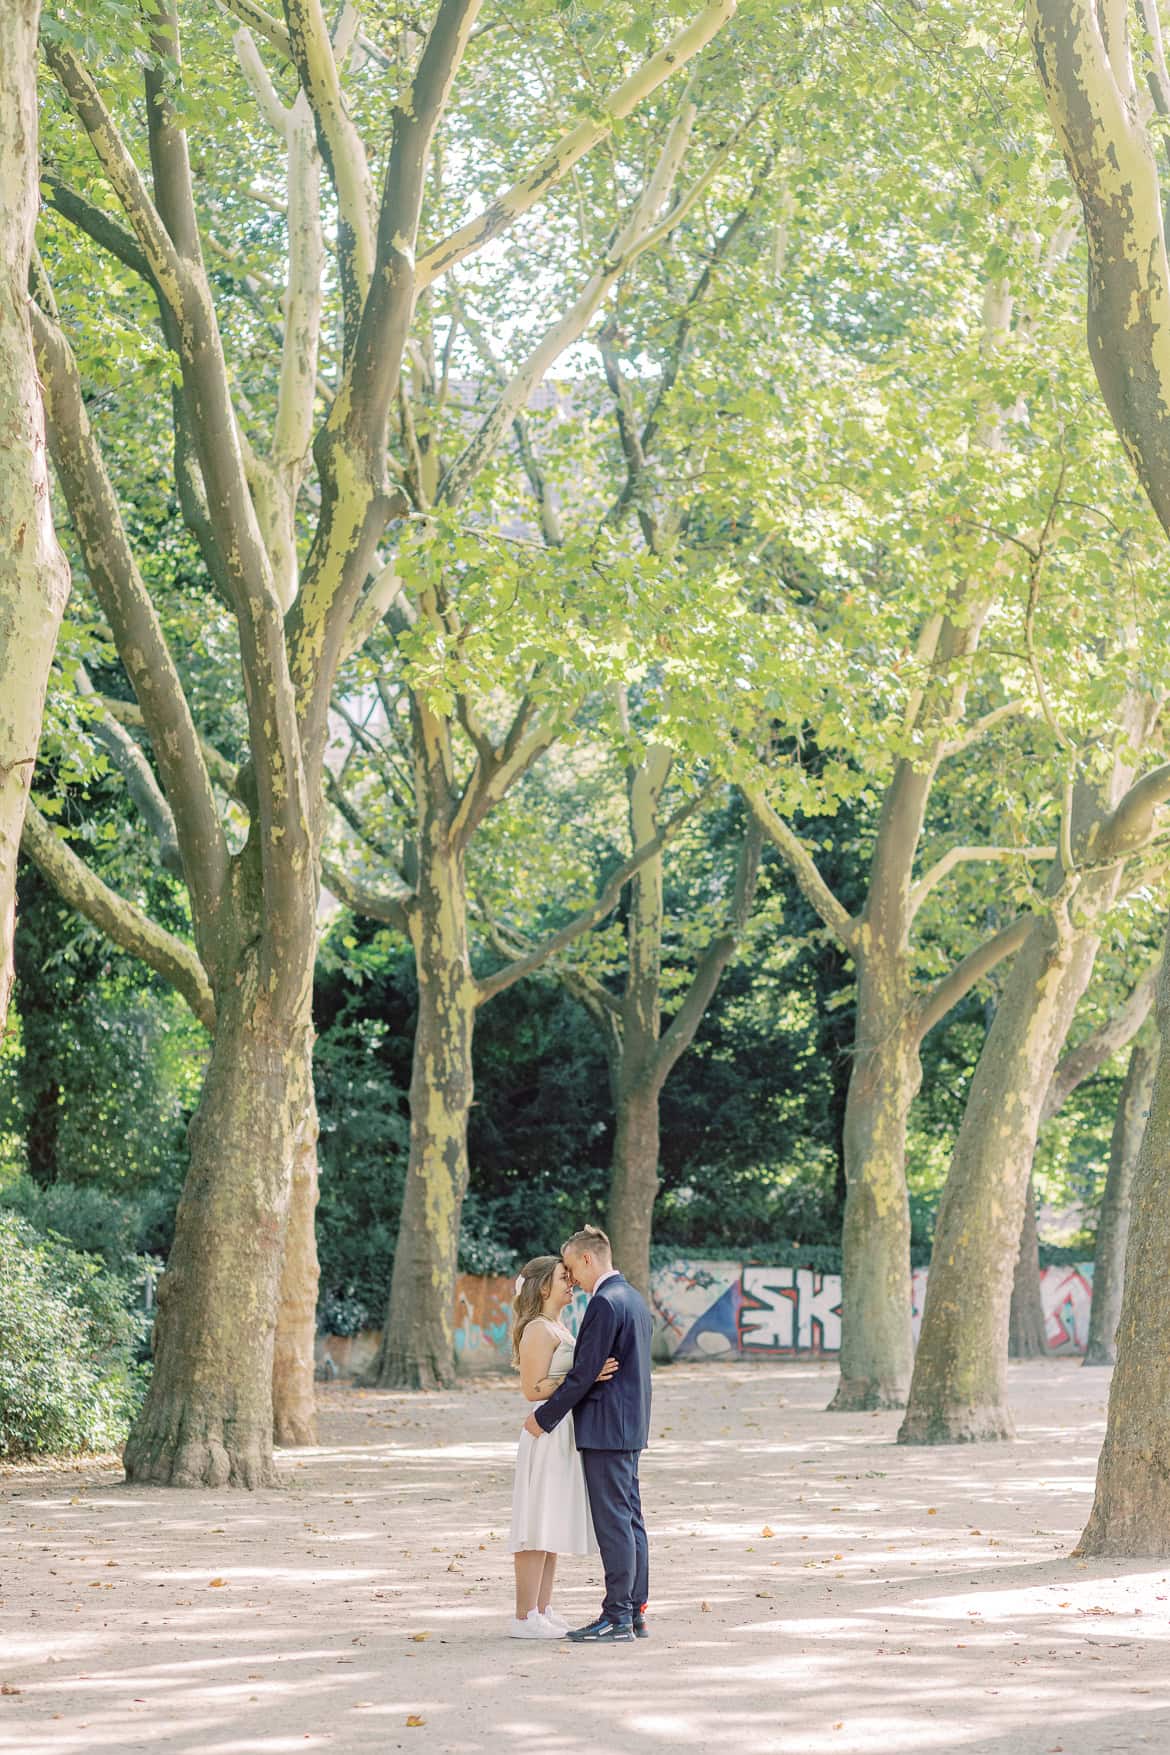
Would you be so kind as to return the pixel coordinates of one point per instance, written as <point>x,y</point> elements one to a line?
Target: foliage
<point>68,1380</point>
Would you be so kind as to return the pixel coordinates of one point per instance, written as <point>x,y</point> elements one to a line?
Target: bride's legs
<point>547,1580</point>
<point>530,1564</point>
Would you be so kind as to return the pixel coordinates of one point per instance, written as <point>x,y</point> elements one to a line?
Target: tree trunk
<point>34,574</point>
<point>959,1388</point>
<point>1131,1507</point>
<point>418,1345</point>
<point>1129,1124</point>
<point>207,1417</point>
<point>294,1413</point>
<point>877,1344</point>
<point>635,1182</point>
<point>1027,1337</point>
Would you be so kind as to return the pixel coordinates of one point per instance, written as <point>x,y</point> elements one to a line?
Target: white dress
<point>550,1507</point>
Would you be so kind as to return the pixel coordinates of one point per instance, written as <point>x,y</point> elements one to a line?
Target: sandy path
<point>905,1601</point>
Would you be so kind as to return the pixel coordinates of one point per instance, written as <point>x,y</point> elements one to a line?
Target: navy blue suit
<point>612,1425</point>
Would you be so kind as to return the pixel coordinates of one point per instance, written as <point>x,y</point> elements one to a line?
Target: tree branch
<point>680,1032</point>
<point>980,727</point>
<point>392,907</point>
<point>573,145</point>
<point>1081,1062</point>
<point>344,154</point>
<point>801,863</point>
<point>496,772</point>
<point>933,1005</point>
<point>97,224</point>
<point>224,773</point>
<point>961,855</point>
<point>138,774</point>
<point>351,448</point>
<point>1130,824</point>
<point>119,919</point>
<point>489,985</point>
<point>636,237</point>
<point>121,171</point>
<point>137,631</point>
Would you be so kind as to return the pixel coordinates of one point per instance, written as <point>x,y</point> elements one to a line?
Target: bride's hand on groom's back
<point>607,1371</point>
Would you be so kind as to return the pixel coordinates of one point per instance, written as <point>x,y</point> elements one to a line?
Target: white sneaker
<point>534,1626</point>
<point>554,1620</point>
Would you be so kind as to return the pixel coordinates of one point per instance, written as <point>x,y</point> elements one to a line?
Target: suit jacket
<point>613,1415</point>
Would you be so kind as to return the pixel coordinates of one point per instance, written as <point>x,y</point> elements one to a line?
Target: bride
<point>550,1510</point>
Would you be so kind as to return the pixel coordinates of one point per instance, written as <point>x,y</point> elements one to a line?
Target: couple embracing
<point>576,1488</point>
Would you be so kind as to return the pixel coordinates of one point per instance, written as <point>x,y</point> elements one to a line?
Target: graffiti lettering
<point>790,1310</point>
<point>721,1310</point>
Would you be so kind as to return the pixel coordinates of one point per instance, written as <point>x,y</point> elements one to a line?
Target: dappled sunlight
<point>814,1588</point>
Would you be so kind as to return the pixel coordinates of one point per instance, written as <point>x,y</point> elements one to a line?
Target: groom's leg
<point>611,1478</point>
<point>641,1550</point>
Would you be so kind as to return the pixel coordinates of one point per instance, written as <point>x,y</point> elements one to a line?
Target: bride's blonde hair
<point>533,1282</point>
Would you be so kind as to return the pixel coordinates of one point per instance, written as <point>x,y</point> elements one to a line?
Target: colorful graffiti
<point>719,1310</point>
<point>713,1309</point>
<point>483,1317</point>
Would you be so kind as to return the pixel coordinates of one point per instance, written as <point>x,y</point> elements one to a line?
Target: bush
<point>94,1222</point>
<point>68,1381</point>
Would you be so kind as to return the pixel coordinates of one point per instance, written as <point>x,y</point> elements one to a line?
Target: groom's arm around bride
<point>611,1426</point>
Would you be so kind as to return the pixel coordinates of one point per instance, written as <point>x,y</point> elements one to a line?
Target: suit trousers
<point>615,1502</point>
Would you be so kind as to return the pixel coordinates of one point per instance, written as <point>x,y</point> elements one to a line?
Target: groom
<point>612,1423</point>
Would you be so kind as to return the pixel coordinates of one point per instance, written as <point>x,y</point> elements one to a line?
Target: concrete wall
<point>716,1310</point>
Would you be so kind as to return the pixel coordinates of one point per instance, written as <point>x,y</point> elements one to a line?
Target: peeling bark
<point>1129,1125</point>
<point>877,1348</point>
<point>34,575</point>
<point>959,1388</point>
<point>294,1405</point>
<point>634,1181</point>
<point>1026,1329</point>
<point>207,1417</point>
<point>641,1054</point>
<point>1131,1506</point>
<point>418,1344</point>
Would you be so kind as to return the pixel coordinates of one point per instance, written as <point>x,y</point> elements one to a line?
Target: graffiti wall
<point>714,1309</point>
<point>483,1316</point>
<point>718,1310</point>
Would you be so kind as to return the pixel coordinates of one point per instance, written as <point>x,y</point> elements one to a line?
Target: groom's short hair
<point>589,1238</point>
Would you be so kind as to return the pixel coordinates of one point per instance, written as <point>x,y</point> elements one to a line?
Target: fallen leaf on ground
<point>414,1720</point>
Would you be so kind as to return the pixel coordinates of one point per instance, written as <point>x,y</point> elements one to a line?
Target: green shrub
<point>86,1216</point>
<point>68,1381</point>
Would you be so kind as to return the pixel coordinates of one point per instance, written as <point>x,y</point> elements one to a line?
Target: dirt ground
<point>814,1589</point>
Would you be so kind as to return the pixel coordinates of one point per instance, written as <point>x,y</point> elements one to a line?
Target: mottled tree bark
<point>207,1418</point>
<point>1129,1126</point>
<point>1131,1506</point>
<point>641,1054</point>
<point>34,575</point>
<point>294,1410</point>
<point>892,1016</point>
<point>877,1347</point>
<point>959,1391</point>
<point>1026,1327</point>
<point>1089,84</point>
<point>634,1180</point>
<point>959,1388</point>
<point>418,1343</point>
